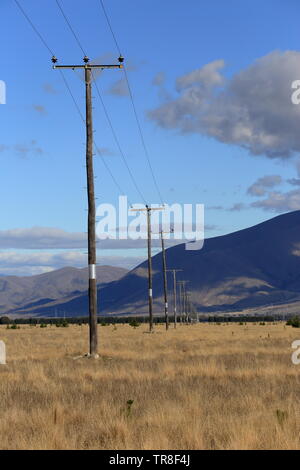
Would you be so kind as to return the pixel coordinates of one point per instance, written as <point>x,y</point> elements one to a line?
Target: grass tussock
<point>198,387</point>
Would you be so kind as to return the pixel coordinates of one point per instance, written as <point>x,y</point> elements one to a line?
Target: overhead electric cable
<point>103,105</point>
<point>68,89</point>
<point>70,27</point>
<point>133,105</point>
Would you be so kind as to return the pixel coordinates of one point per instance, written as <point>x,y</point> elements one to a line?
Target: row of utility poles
<point>185,303</point>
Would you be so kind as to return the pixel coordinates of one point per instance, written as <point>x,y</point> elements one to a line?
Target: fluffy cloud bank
<point>253,109</point>
<point>25,264</point>
<point>37,238</point>
<point>50,238</point>
<point>275,201</point>
<point>12,259</point>
<point>280,202</point>
<point>41,238</point>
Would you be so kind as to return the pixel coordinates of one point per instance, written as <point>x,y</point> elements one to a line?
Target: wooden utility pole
<point>150,294</point>
<point>90,193</point>
<point>174,271</point>
<point>165,278</point>
<point>181,285</point>
<point>183,299</point>
<point>188,306</point>
<point>180,300</point>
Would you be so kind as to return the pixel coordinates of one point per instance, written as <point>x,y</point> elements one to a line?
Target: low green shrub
<point>294,322</point>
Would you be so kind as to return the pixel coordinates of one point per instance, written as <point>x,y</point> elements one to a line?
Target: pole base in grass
<point>87,356</point>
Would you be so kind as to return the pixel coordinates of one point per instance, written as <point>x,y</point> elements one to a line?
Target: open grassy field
<point>198,387</point>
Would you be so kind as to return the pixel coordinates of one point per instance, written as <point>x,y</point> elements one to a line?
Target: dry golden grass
<point>198,387</point>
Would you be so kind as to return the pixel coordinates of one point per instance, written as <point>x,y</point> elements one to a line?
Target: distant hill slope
<point>255,267</point>
<point>17,292</point>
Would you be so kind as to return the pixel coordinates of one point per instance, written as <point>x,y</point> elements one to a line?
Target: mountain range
<point>31,292</point>
<point>253,268</point>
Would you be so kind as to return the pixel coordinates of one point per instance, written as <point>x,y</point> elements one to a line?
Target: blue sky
<point>42,138</point>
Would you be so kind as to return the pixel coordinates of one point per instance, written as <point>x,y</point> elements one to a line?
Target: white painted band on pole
<point>2,353</point>
<point>166,304</point>
<point>92,271</point>
<point>150,292</point>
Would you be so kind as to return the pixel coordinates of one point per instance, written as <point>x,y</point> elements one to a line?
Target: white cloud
<point>119,88</point>
<point>104,151</point>
<point>237,207</point>
<point>13,259</point>
<point>259,188</point>
<point>280,202</point>
<point>204,78</point>
<point>159,79</point>
<point>252,110</point>
<point>52,238</point>
<point>24,150</point>
<point>23,264</point>
<point>49,88</point>
<point>37,238</point>
<point>25,270</point>
<point>294,181</point>
<point>127,262</point>
<point>41,238</point>
<point>40,109</point>
<point>3,148</point>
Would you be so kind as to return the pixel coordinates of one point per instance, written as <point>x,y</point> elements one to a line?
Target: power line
<point>118,144</point>
<point>102,103</point>
<point>72,96</point>
<point>70,26</point>
<point>142,138</point>
<point>96,146</point>
<point>111,174</point>
<point>33,27</point>
<point>68,88</point>
<point>110,27</point>
<point>133,106</point>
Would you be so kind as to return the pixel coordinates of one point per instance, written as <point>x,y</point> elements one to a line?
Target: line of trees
<point>112,320</point>
<point>76,320</point>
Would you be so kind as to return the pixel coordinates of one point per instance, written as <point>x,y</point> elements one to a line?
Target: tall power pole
<point>88,75</point>
<point>165,278</point>
<point>174,271</point>
<point>150,294</point>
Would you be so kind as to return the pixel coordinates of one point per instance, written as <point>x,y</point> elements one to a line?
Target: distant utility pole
<point>90,192</point>
<point>150,296</point>
<point>165,277</point>
<point>180,300</point>
<point>183,298</point>
<point>187,303</point>
<point>188,306</point>
<point>174,271</point>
